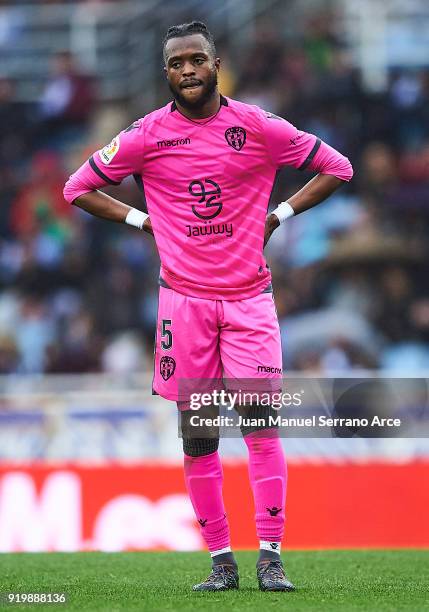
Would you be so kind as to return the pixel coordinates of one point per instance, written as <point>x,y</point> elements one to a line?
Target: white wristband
<point>136,218</point>
<point>283,211</point>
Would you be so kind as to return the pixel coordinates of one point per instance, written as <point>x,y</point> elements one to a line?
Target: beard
<point>207,91</point>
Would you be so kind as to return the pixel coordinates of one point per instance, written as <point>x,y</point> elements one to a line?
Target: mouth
<point>191,85</point>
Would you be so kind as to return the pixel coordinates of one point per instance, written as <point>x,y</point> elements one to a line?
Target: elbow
<point>68,192</point>
<point>341,169</point>
<point>330,161</point>
<point>73,191</point>
<point>348,170</point>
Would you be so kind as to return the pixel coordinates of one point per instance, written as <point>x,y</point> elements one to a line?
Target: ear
<point>217,63</point>
<point>165,71</point>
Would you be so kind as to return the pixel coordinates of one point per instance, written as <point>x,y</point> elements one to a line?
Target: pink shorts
<point>201,342</point>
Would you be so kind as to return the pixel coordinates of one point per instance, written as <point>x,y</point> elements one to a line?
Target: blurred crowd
<point>80,295</point>
<point>50,2</point>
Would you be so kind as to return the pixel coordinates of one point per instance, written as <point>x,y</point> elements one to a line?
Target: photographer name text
<point>279,421</point>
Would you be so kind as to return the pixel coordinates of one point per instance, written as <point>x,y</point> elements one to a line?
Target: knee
<point>263,418</point>
<point>199,447</point>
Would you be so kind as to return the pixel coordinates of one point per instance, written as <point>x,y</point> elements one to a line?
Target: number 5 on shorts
<point>167,334</point>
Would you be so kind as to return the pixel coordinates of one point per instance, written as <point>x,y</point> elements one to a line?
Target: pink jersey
<point>207,185</point>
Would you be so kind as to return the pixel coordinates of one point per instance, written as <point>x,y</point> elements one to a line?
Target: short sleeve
<point>122,157</point>
<point>286,145</point>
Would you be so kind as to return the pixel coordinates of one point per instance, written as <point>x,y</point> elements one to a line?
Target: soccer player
<point>207,164</point>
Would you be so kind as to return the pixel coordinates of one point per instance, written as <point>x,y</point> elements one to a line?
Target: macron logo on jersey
<point>175,142</point>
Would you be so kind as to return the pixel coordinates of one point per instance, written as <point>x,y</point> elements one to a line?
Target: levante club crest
<point>236,137</point>
<point>167,366</point>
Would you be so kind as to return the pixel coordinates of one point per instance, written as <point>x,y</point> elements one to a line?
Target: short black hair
<point>187,29</point>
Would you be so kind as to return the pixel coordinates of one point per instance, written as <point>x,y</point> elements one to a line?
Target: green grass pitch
<point>326,580</point>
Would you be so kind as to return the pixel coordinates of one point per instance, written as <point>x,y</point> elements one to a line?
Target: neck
<point>208,109</point>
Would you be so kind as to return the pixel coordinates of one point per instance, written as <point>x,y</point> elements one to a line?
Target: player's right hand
<point>147,226</point>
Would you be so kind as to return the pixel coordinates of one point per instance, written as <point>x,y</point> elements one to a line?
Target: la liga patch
<point>109,151</point>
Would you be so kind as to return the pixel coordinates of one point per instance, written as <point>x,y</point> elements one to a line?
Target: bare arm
<point>315,191</point>
<point>104,206</point>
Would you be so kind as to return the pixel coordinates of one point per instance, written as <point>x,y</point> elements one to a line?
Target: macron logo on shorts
<point>269,369</point>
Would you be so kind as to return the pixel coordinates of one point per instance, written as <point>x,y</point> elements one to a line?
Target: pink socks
<point>268,479</point>
<point>203,477</point>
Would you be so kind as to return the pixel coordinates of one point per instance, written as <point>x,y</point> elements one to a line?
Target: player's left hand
<point>271,223</point>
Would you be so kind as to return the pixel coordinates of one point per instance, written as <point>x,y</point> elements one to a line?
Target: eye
<point>199,60</point>
<point>175,65</point>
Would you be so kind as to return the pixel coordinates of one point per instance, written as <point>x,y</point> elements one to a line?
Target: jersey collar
<point>223,102</point>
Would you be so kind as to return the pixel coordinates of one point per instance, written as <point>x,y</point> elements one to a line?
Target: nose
<point>188,69</point>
